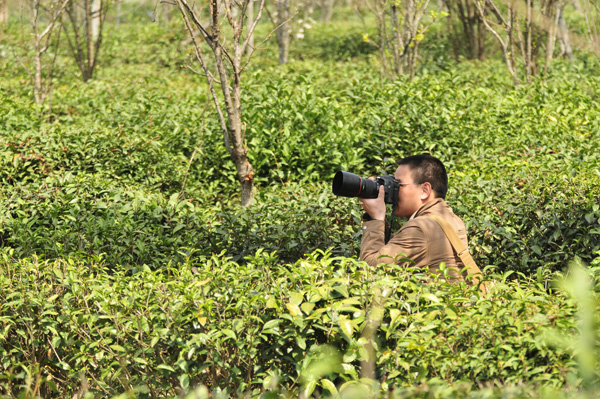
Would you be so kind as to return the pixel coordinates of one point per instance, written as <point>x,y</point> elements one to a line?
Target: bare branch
<point>481,8</point>
<point>229,16</point>
<point>263,6</point>
<point>53,19</point>
<point>185,11</point>
<point>192,14</point>
<point>252,27</point>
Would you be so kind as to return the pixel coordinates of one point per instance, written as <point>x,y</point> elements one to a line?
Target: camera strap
<point>463,253</point>
<point>388,232</point>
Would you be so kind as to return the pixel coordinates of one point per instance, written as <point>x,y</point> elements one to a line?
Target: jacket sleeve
<point>409,242</point>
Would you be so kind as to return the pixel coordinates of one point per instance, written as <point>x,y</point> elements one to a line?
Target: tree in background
<point>287,25</point>
<point>326,10</point>
<point>86,20</point>
<point>590,9</point>
<point>283,30</point>
<point>524,30</point>
<point>407,33</point>
<point>466,30</point>
<point>44,17</point>
<point>227,34</point>
<point>379,9</point>
<point>3,11</point>
<point>400,31</point>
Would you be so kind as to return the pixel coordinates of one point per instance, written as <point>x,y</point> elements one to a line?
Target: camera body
<point>391,187</point>
<point>350,185</point>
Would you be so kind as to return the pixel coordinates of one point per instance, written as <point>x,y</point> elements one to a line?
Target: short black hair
<point>425,168</point>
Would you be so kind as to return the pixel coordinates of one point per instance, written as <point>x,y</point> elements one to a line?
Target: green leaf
<point>229,333</point>
<point>165,367</point>
<point>296,298</point>
<point>118,348</point>
<point>309,388</point>
<point>346,327</point>
<point>330,386</point>
<point>271,324</point>
<point>307,307</point>
<point>301,342</point>
<point>293,309</point>
<point>184,380</point>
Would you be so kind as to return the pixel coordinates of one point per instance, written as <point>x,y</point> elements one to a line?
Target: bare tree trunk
<point>283,33</point>
<point>250,17</point>
<point>383,42</point>
<point>227,57</point>
<point>471,38</point>
<point>590,22</point>
<point>551,37</point>
<point>118,13</point>
<point>378,9</point>
<point>452,33</point>
<point>41,39</point>
<point>468,27</point>
<point>38,88</point>
<point>415,10</point>
<point>528,59</point>
<point>95,19</point>
<point>530,28</point>
<point>166,13</point>
<point>86,19</point>
<point>481,36</point>
<point>397,46</point>
<point>3,12</point>
<point>89,35</point>
<point>563,32</point>
<point>507,43</point>
<point>406,32</point>
<point>327,10</point>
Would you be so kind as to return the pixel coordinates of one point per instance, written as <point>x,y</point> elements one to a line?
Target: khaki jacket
<point>421,239</point>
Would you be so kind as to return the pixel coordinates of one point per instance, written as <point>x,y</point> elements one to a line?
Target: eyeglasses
<point>405,184</point>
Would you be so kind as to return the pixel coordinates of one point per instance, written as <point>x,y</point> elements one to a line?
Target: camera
<point>350,185</point>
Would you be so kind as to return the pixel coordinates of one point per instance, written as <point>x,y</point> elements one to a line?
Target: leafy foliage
<point>126,262</point>
<point>522,163</point>
<point>238,326</point>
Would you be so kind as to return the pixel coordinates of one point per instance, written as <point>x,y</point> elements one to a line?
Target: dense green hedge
<point>247,327</point>
<point>522,162</point>
<point>130,228</point>
<point>129,266</point>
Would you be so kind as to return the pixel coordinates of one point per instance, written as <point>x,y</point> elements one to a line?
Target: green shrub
<point>238,326</point>
<point>337,41</point>
<point>522,161</point>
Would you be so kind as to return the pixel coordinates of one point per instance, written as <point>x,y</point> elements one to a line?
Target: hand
<point>375,207</point>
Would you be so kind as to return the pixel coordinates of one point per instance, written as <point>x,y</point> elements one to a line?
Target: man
<point>423,186</point>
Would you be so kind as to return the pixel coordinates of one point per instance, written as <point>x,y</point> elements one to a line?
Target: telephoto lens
<point>350,185</point>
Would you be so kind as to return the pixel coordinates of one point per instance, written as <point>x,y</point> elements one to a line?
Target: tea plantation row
<point>108,171</point>
<point>128,265</point>
<point>260,326</point>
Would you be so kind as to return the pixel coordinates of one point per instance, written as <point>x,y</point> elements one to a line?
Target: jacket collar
<point>426,207</point>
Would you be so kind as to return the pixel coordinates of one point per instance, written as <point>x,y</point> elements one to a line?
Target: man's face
<point>409,195</point>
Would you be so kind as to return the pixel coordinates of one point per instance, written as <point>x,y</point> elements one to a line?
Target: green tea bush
<point>303,126</point>
<point>337,41</point>
<point>522,161</point>
<point>74,215</point>
<point>132,227</point>
<point>252,326</point>
<point>136,43</point>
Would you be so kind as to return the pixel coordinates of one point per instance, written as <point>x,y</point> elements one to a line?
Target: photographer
<point>423,184</point>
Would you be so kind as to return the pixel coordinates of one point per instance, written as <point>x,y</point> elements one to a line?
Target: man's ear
<point>427,191</point>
